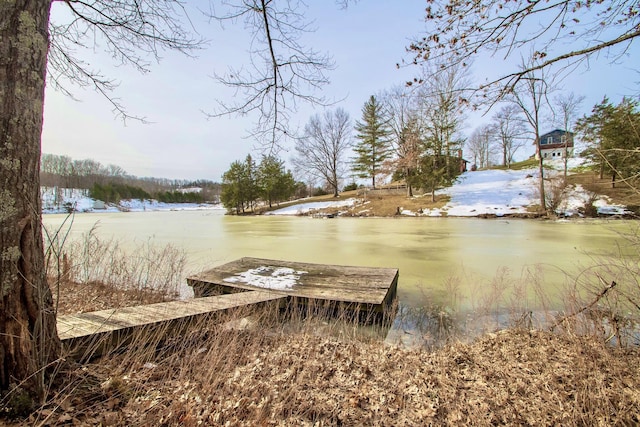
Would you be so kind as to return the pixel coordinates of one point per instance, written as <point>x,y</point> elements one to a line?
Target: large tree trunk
<point>28,337</point>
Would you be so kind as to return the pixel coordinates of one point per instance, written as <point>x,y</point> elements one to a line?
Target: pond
<point>443,262</point>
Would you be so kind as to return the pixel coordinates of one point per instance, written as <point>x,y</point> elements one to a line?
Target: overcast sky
<point>366,41</point>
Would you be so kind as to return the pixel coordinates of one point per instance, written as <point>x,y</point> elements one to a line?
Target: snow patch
<point>305,208</point>
<point>279,278</point>
<point>498,192</point>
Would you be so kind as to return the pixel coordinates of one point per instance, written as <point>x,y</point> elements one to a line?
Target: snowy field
<point>82,203</point>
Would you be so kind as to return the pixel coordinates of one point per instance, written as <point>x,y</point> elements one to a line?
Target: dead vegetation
<point>622,194</point>
<point>378,205</point>
<point>223,373</point>
<point>269,368</point>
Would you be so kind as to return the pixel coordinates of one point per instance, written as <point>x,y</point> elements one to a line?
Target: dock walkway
<point>113,326</point>
<point>241,283</point>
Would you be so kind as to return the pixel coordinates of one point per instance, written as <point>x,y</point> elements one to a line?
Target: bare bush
<point>608,295</point>
<point>556,193</point>
<point>589,209</point>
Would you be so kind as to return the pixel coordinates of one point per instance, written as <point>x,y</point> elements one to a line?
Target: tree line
<point>112,183</point>
<point>246,183</point>
<point>410,136</point>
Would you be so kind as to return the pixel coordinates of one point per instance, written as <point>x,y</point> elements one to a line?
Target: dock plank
<point>244,282</point>
<point>76,326</point>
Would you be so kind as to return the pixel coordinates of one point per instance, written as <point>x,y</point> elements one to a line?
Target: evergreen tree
<point>231,192</point>
<point>374,145</point>
<point>250,182</point>
<point>240,186</point>
<point>613,138</point>
<point>434,169</point>
<point>275,184</point>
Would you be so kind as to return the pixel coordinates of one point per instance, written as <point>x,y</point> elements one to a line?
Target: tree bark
<point>543,199</point>
<point>28,336</point>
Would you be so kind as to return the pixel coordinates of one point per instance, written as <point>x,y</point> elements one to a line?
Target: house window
<point>545,155</point>
<point>550,140</point>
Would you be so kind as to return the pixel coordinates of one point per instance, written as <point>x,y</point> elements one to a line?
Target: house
<point>463,162</point>
<point>554,144</point>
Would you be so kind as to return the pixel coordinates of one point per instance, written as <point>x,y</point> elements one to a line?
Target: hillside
<point>492,192</point>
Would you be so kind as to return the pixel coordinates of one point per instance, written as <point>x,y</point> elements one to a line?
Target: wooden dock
<point>98,331</point>
<point>241,283</point>
<point>361,288</point>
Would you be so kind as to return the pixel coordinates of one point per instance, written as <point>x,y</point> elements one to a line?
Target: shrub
<point>350,187</point>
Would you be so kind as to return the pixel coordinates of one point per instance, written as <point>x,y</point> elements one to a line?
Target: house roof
<point>555,132</point>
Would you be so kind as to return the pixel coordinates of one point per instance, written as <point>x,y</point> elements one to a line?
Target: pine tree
<point>613,138</point>
<point>275,183</point>
<point>374,146</point>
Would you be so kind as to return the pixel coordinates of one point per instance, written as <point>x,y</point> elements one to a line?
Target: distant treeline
<point>111,183</point>
<point>113,193</point>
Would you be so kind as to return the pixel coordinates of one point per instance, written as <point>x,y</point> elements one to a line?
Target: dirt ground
<point>381,205</point>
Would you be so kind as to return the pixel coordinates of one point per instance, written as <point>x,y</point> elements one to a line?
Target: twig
<point>586,307</point>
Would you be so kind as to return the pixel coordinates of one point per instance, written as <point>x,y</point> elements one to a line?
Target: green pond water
<point>460,263</point>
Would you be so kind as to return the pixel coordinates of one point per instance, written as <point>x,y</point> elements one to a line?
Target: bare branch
<point>129,31</point>
<point>281,71</point>
<point>460,30</point>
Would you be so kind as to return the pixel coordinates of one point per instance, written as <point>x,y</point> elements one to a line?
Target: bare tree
<point>566,113</point>
<point>281,72</point>
<point>321,150</point>
<point>509,131</point>
<point>562,32</point>
<point>530,96</point>
<point>406,133</point>
<point>480,145</point>
<point>131,32</point>
<point>441,106</point>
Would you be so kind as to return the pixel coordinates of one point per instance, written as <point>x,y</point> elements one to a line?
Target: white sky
<point>365,41</point>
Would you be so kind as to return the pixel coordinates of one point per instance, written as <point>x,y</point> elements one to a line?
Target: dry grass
<point>222,373</point>
<point>387,205</point>
<point>74,298</point>
<point>621,194</point>
<point>379,205</point>
<point>92,274</point>
<point>301,367</point>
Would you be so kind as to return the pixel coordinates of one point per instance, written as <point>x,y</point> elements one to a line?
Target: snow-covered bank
<point>498,192</point>
<point>78,201</point>
<point>489,192</point>
<point>306,208</point>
